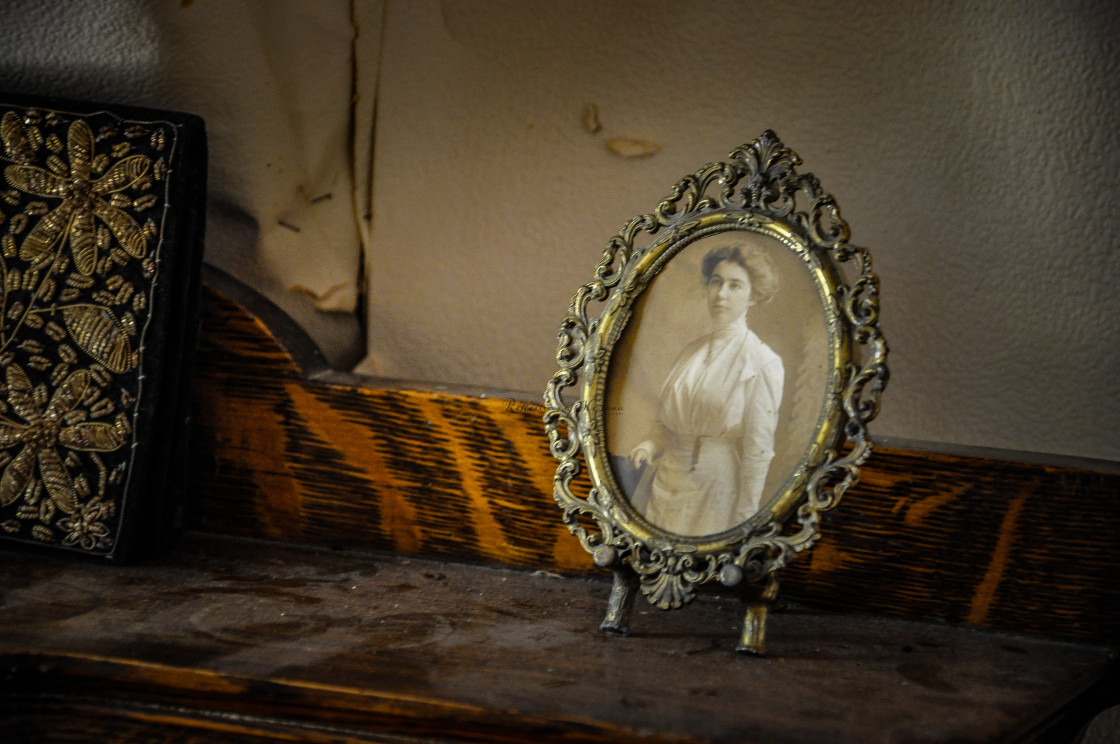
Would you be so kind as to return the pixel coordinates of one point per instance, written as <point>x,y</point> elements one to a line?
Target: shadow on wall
<point>279,140</point>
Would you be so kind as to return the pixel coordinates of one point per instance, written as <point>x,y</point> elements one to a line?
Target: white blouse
<point>714,434</point>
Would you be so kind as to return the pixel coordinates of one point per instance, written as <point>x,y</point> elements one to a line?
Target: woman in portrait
<point>706,457</point>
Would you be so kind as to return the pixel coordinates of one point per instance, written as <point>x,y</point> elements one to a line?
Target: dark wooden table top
<point>237,640</point>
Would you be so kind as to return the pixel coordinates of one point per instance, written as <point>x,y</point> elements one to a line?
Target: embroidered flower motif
<point>81,198</point>
<point>85,528</point>
<point>44,432</point>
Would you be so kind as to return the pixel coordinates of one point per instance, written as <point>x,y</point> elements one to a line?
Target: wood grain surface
<point>233,640</point>
<point>284,449</point>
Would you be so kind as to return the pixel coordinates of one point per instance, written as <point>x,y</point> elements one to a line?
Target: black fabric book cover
<point>101,223</point>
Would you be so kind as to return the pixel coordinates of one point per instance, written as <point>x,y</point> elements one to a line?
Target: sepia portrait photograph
<point>717,383</point>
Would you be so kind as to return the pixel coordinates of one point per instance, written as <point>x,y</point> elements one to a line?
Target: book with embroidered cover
<point>101,223</point>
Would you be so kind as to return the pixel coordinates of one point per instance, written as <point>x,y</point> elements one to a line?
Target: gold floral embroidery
<point>75,295</point>
<point>86,528</point>
<point>81,198</point>
<point>42,434</point>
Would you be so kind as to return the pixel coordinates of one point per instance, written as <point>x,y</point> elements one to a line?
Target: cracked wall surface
<point>972,147</point>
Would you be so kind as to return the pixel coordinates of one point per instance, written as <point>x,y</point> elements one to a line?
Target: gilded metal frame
<point>758,190</point>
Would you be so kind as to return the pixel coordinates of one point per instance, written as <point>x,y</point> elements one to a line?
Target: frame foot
<point>752,642</point>
<point>623,591</point>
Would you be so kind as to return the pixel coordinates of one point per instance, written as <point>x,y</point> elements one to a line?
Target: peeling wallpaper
<point>274,82</point>
<point>972,147</point>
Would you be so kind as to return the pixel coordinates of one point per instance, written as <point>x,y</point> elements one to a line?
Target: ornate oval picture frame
<point>724,387</point>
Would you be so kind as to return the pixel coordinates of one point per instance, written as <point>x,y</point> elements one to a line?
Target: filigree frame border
<point>758,189</point>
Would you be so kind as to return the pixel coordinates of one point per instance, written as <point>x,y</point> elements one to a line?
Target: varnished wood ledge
<point>235,641</point>
<point>285,449</point>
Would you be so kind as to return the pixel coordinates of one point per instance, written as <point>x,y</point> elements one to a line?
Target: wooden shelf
<point>238,640</point>
<point>287,450</point>
<point>380,561</point>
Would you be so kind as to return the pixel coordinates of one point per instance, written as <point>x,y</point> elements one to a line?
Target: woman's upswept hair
<point>760,269</point>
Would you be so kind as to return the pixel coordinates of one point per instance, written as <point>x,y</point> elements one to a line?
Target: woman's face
<point>729,293</point>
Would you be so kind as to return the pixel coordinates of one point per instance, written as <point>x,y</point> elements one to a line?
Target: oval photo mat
<point>673,311</point>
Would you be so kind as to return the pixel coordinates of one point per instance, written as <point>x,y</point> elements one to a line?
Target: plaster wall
<point>275,83</point>
<point>973,148</point>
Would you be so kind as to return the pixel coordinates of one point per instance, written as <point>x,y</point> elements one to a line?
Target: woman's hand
<point>642,454</point>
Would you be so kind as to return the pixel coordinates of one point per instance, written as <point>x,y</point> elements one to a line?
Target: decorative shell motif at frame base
<point>720,397</point>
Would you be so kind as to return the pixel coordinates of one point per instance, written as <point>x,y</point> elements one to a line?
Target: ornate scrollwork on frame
<point>724,385</point>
